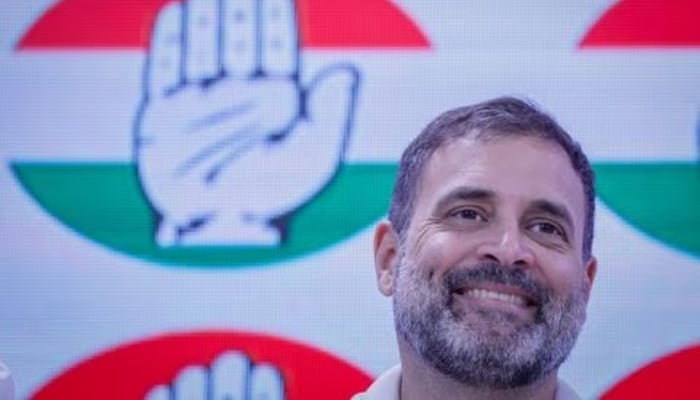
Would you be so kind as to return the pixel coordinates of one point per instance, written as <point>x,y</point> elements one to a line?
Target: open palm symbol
<point>231,376</point>
<point>227,137</point>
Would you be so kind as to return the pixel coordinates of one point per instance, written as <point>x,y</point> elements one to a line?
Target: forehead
<point>521,169</point>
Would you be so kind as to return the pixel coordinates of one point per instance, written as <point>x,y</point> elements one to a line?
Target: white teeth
<point>487,294</point>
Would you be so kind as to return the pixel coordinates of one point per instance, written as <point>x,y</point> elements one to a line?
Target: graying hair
<point>493,119</point>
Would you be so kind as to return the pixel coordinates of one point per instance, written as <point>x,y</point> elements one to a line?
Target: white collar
<point>387,387</point>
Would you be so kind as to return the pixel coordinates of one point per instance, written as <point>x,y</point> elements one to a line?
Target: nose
<point>506,245</point>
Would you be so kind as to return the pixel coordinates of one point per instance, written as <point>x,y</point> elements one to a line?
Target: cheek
<point>439,251</point>
<point>563,275</point>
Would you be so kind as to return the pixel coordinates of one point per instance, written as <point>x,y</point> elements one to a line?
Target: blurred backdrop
<point>190,187</point>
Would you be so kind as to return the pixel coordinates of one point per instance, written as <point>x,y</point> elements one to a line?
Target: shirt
<point>386,387</point>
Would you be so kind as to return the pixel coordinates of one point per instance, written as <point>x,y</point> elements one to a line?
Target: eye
<point>468,214</point>
<point>548,228</point>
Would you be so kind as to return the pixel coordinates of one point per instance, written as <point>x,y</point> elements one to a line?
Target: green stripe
<point>104,202</point>
<point>660,199</point>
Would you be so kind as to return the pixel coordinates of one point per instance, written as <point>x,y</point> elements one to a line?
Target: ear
<point>591,270</point>
<point>385,256</point>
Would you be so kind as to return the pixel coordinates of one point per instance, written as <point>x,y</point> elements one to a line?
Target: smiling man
<point>487,254</point>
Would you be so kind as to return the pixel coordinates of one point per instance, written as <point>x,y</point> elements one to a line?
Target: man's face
<point>490,287</point>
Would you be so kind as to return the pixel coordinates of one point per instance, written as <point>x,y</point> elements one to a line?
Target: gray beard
<point>481,355</point>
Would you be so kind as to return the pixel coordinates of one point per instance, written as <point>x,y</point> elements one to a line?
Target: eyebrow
<point>554,209</point>
<point>464,193</point>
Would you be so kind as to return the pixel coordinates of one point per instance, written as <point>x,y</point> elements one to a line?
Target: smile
<point>508,296</point>
<point>505,297</point>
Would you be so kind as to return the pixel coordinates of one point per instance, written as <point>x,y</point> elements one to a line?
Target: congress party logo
<point>660,198</point>
<point>208,365</point>
<point>237,156</point>
<point>673,376</point>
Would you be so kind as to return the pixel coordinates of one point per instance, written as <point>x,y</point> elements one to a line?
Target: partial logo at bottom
<point>209,365</point>
<point>673,376</point>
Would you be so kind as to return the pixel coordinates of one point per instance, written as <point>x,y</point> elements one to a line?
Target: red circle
<point>129,371</point>
<point>647,23</point>
<point>674,376</point>
<point>83,24</point>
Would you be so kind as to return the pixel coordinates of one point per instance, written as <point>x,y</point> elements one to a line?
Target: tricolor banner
<point>189,188</point>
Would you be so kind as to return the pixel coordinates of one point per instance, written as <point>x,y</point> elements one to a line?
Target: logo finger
<point>230,376</point>
<point>201,40</point>
<point>266,383</point>
<point>239,38</point>
<point>164,59</point>
<point>279,41</point>
<point>191,384</point>
<point>160,392</point>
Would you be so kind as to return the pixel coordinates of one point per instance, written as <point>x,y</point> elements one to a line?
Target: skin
<point>517,201</point>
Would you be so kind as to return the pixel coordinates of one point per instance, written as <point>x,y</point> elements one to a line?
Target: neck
<point>420,381</point>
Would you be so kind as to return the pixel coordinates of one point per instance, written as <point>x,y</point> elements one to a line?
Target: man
<point>487,254</point>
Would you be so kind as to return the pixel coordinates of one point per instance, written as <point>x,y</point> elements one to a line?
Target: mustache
<point>494,272</point>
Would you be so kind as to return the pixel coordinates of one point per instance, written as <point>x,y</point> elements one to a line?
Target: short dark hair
<point>493,119</point>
